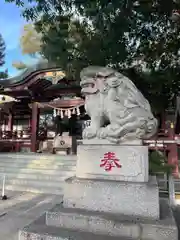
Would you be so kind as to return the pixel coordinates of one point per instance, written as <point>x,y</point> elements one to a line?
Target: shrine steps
<point>39,173</point>
<point>35,189</point>
<point>45,169</point>
<point>10,176</point>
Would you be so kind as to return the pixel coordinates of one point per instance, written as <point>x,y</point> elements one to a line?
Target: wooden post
<point>163,120</point>
<point>10,122</point>
<point>173,151</point>
<point>173,158</point>
<point>34,126</point>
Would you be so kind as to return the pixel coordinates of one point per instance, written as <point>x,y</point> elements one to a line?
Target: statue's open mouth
<point>87,85</point>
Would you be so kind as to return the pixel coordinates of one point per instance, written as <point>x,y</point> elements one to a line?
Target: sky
<point>11,25</point>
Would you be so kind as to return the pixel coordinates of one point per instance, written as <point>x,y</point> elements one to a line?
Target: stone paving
<point>21,209</point>
<point>176,211</point>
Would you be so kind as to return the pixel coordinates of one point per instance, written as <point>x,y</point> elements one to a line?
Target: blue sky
<point>11,25</point>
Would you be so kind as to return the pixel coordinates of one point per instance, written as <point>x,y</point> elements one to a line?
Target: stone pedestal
<point>133,199</point>
<point>133,161</point>
<point>111,195</point>
<point>114,179</point>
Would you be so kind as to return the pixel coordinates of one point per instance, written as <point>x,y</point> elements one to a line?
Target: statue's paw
<point>116,132</point>
<point>89,132</point>
<point>102,133</point>
<point>122,132</point>
<point>114,140</point>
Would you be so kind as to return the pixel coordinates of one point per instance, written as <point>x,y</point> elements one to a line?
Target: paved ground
<point>21,209</point>
<point>177,217</point>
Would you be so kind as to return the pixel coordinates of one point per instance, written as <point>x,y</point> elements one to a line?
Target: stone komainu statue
<point>117,108</point>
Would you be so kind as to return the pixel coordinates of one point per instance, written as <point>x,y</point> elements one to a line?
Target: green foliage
<point>158,163</point>
<point>126,34</point>
<point>3,75</point>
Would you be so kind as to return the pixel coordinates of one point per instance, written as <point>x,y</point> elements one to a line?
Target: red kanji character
<point>109,161</point>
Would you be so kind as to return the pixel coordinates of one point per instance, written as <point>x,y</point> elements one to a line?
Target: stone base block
<point>38,230</point>
<point>97,141</point>
<point>113,162</point>
<point>48,233</point>
<point>136,199</point>
<point>115,225</point>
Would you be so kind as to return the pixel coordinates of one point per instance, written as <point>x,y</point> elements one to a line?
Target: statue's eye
<point>99,76</point>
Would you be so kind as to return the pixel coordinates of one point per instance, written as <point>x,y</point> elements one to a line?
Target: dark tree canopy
<point>3,75</point>
<point>136,37</point>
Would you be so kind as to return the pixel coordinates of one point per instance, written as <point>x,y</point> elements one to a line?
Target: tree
<point>2,51</point>
<point>136,37</point>
<point>158,163</point>
<point>2,58</point>
<point>4,75</point>
<point>30,40</point>
<point>30,43</point>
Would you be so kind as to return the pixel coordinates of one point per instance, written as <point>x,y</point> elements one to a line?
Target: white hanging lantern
<point>78,111</point>
<point>3,127</point>
<point>54,113</point>
<point>74,111</point>
<point>69,113</point>
<point>61,114</point>
<point>66,113</point>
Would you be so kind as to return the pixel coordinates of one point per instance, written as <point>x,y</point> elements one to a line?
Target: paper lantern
<point>74,111</point>
<point>61,114</point>
<point>5,99</point>
<point>69,113</point>
<point>66,113</point>
<point>78,111</point>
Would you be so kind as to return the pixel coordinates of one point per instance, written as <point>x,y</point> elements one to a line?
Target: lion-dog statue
<point>117,109</point>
